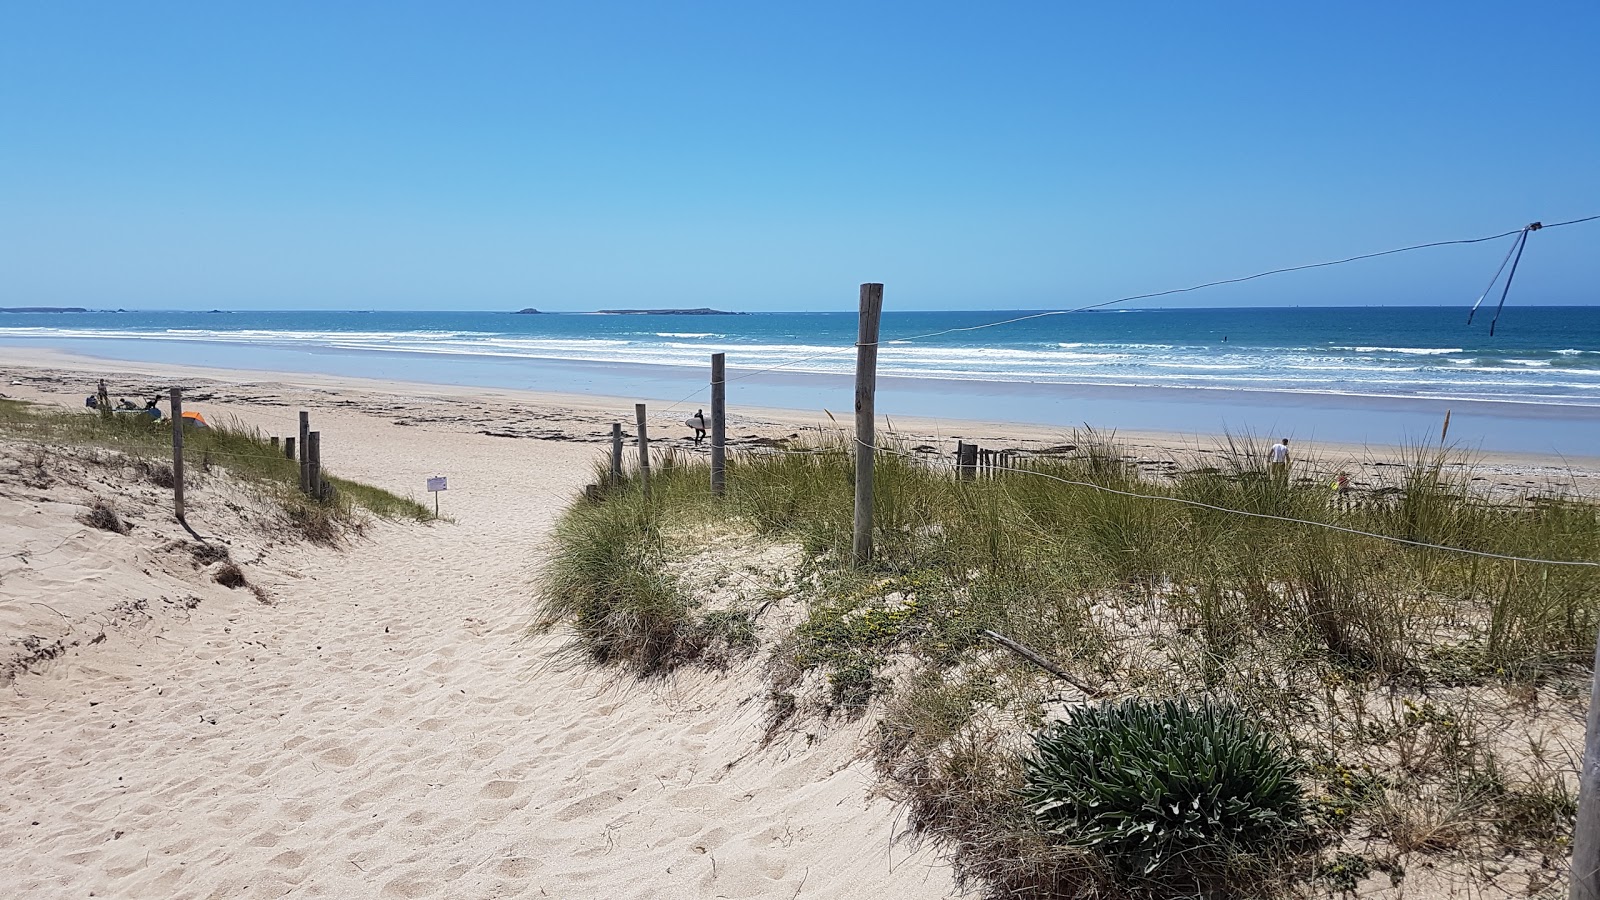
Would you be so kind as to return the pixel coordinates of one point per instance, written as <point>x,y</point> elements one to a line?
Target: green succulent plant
<point>1163,789</point>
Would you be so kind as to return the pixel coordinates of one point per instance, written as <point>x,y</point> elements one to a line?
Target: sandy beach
<point>387,725</point>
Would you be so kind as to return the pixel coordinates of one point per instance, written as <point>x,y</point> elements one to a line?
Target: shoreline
<point>586,418</point>
<point>1347,420</point>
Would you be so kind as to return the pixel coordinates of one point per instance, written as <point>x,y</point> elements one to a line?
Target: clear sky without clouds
<point>752,155</point>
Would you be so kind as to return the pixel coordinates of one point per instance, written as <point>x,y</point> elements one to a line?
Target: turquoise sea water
<point>1342,372</point>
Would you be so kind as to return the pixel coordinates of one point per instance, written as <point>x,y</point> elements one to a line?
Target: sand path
<point>389,730</point>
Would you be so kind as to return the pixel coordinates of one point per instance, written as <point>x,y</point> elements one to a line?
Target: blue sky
<point>772,156</point>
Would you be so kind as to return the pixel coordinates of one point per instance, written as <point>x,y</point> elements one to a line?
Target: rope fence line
<point>939,460</point>
<point>1290,519</point>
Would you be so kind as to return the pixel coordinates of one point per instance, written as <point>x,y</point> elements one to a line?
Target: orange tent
<point>195,419</point>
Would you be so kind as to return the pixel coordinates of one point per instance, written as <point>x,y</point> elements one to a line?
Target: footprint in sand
<point>498,790</point>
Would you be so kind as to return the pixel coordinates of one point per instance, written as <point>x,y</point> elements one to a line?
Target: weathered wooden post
<point>177,452</point>
<point>313,467</point>
<point>866,411</point>
<point>616,453</point>
<point>966,461</point>
<point>644,448</point>
<point>1585,870</point>
<point>305,452</point>
<point>719,424</point>
<point>288,447</point>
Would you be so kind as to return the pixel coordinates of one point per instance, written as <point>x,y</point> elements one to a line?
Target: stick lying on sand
<point>1037,659</point>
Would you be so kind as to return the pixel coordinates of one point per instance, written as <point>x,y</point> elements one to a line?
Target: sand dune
<point>388,728</point>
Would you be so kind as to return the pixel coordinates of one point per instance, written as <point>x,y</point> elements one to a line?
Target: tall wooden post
<point>866,411</point>
<point>644,447</point>
<point>719,424</point>
<point>177,452</point>
<point>313,468</point>
<point>1585,869</point>
<point>305,450</point>
<point>616,453</point>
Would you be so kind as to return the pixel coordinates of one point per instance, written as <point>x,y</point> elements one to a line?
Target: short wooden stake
<point>305,452</point>
<point>288,447</point>
<point>274,440</point>
<point>719,424</point>
<point>967,461</point>
<point>616,453</point>
<point>314,463</point>
<point>177,452</point>
<point>644,447</point>
<point>1585,870</point>
<point>866,411</point>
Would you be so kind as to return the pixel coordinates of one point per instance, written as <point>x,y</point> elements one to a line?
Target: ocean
<point>1381,359</point>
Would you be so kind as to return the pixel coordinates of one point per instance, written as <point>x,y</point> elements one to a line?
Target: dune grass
<point>1317,634</point>
<point>242,451</point>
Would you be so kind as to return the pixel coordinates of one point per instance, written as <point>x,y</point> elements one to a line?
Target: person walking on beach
<point>1278,462</point>
<point>698,423</point>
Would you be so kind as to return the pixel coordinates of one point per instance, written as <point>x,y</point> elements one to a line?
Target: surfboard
<point>697,423</point>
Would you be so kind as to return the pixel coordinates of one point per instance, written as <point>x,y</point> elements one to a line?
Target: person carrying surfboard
<point>698,423</point>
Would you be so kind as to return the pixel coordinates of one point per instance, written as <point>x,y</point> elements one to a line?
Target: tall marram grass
<point>243,451</point>
<point>1090,562</point>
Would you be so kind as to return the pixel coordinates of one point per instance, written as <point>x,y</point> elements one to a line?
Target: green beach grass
<point>1390,672</point>
<point>243,452</point>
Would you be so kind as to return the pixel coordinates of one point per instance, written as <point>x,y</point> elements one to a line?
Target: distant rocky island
<point>6,309</point>
<point>527,311</point>
<point>701,311</point>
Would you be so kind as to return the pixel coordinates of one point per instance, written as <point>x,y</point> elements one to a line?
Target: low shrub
<point>229,575</point>
<point>1166,791</point>
<point>100,515</point>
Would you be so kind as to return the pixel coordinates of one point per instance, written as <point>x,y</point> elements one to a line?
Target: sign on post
<point>435,485</point>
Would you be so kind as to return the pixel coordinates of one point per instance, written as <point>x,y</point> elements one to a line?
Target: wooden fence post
<point>866,411</point>
<point>305,452</point>
<point>966,461</point>
<point>288,447</point>
<point>177,452</point>
<point>313,469</point>
<point>616,453</point>
<point>644,447</point>
<point>719,424</point>
<point>274,443</point>
<point>1585,869</point>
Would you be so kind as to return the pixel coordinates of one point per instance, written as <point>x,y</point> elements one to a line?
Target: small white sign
<point>436,484</point>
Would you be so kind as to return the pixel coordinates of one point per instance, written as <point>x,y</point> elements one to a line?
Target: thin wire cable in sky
<point>1167,293</point>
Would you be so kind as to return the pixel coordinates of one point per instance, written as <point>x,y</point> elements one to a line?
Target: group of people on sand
<point>94,401</point>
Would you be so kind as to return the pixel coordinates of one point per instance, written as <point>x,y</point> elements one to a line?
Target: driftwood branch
<point>1039,660</point>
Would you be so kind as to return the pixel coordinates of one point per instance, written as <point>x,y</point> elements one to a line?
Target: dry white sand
<point>388,728</point>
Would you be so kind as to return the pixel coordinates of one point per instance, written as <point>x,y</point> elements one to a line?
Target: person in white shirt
<point>1278,461</point>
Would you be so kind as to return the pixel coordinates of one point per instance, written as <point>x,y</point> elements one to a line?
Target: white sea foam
<point>1400,371</point>
<point>1415,351</point>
